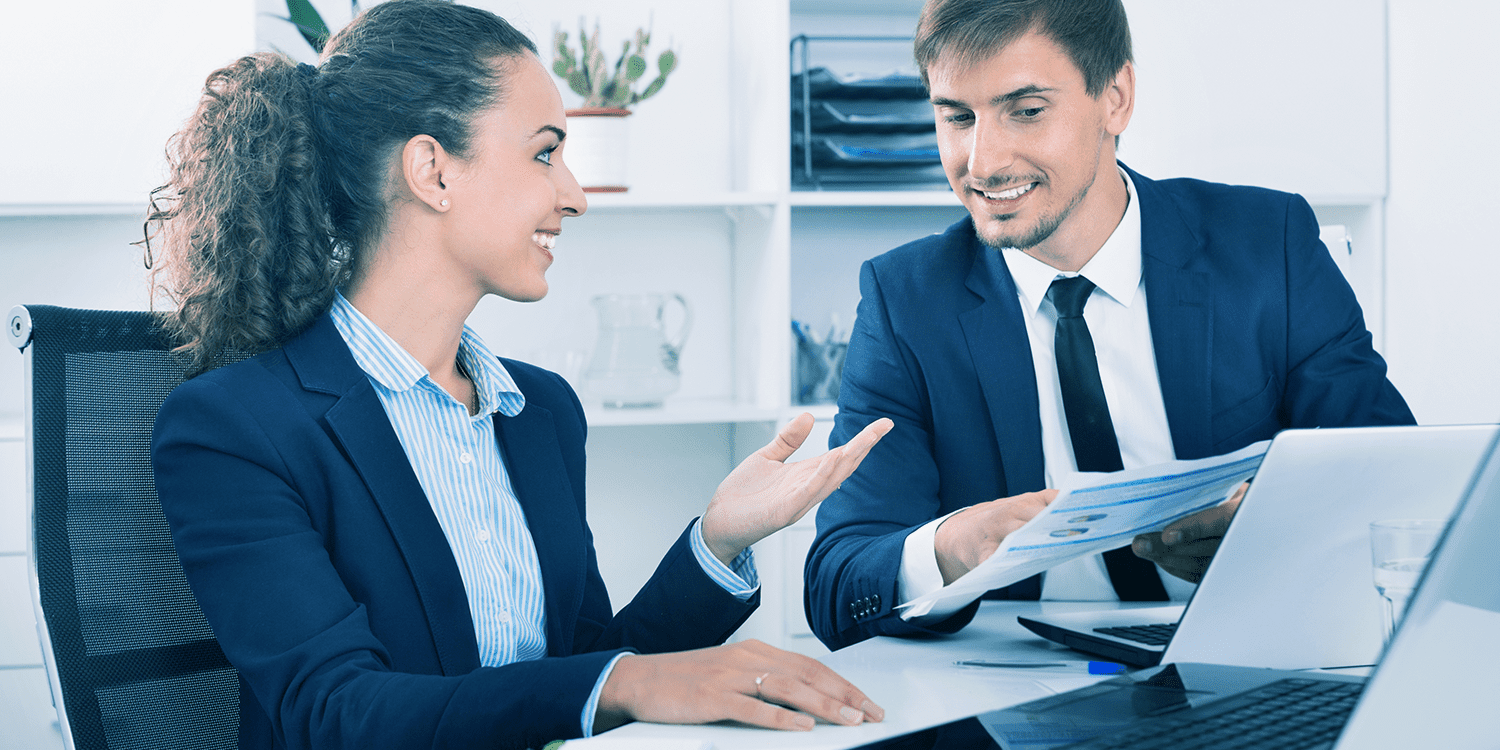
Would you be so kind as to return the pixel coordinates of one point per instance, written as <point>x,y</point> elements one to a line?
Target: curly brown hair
<point>279,182</point>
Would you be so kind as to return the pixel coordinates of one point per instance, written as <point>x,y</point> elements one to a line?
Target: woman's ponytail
<point>279,183</point>
<point>247,255</point>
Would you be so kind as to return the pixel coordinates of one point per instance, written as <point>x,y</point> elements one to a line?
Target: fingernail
<point>1143,546</point>
<point>1171,537</point>
<point>876,713</point>
<point>851,715</point>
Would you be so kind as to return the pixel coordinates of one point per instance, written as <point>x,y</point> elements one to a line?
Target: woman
<point>383,523</point>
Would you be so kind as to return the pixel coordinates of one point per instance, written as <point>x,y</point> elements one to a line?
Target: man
<point>1211,318</point>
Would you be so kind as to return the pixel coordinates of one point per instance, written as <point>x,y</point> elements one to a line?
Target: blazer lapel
<point>359,423</point>
<point>540,479</point>
<point>1180,303</point>
<point>995,332</point>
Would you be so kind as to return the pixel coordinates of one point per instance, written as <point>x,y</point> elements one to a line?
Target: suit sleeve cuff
<point>591,707</point>
<point>740,578</point>
<point>920,576</point>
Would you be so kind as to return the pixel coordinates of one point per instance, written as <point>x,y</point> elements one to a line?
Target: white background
<point>80,93</point>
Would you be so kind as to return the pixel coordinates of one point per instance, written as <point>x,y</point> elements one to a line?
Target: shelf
<point>820,412</point>
<point>678,412</point>
<point>597,202</point>
<point>650,200</point>
<point>874,198</point>
<point>872,7</point>
<point>74,209</point>
<point>1344,199</point>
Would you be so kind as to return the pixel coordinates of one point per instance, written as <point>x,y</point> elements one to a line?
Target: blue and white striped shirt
<point>456,458</point>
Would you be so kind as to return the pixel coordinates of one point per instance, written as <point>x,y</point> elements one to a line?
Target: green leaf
<point>579,83</point>
<point>667,62</point>
<point>616,96</point>
<point>653,88</point>
<point>305,17</point>
<point>595,67</point>
<point>635,67</point>
<point>620,63</point>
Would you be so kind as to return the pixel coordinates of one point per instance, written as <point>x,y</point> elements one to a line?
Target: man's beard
<point>1043,229</point>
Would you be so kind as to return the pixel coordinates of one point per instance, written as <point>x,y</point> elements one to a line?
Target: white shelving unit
<point>1280,93</point>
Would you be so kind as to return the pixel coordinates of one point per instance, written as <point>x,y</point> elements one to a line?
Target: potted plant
<point>301,33</point>
<point>597,131</point>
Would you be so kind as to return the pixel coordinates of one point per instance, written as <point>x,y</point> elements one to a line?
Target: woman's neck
<point>402,294</point>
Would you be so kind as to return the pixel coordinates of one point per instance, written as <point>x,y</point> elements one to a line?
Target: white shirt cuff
<point>740,578</point>
<point>592,706</point>
<point>920,576</point>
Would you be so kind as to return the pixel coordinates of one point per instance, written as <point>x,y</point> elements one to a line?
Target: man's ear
<point>1119,100</point>
<point>425,167</point>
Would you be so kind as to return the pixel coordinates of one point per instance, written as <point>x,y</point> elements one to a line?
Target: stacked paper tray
<point>863,132</point>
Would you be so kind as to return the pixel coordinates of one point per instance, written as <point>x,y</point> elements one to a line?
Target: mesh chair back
<point>131,658</point>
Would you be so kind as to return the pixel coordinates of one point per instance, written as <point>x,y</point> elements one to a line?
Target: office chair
<point>130,659</point>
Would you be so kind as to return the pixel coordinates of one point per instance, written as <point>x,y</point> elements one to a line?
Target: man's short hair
<point>1093,33</point>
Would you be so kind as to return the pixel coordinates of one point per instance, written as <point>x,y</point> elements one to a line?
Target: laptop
<point>1434,687</point>
<point>1290,585</point>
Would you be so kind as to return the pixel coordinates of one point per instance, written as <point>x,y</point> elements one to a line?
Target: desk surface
<point>915,681</point>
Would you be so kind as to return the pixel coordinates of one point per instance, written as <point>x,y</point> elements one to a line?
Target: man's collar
<point>1115,268</point>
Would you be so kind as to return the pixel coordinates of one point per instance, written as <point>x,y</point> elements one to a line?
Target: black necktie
<point>1089,425</point>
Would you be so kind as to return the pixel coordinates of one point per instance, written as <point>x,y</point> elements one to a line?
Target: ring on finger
<point>758,681</point>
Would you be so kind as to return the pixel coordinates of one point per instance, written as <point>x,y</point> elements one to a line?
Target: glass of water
<point>1399,550</point>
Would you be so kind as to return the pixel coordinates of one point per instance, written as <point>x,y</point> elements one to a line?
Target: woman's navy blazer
<point>323,572</point>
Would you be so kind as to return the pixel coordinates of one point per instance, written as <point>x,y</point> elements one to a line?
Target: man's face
<point>1023,144</point>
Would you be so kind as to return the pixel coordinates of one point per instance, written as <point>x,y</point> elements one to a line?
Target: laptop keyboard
<point>1291,714</point>
<point>1151,635</point>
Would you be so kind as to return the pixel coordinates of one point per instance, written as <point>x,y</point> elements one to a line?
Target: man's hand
<point>749,682</point>
<point>1186,546</point>
<point>764,494</point>
<point>968,537</point>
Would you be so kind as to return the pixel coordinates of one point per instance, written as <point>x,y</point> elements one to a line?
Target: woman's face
<point>508,199</point>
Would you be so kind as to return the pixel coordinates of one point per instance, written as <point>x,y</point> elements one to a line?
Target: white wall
<point>1442,243</point>
<point>1442,328</point>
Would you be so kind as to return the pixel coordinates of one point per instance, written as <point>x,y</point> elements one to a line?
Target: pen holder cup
<point>820,366</point>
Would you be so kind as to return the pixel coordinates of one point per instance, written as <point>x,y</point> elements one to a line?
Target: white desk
<point>915,681</point>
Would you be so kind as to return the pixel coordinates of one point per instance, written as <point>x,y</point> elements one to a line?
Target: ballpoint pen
<point>1091,667</point>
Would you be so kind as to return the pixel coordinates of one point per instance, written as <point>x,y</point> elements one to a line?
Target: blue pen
<point>1092,667</point>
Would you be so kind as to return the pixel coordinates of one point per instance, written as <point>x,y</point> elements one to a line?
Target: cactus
<point>588,76</point>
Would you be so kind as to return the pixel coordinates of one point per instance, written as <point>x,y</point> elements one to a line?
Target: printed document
<point>1094,512</point>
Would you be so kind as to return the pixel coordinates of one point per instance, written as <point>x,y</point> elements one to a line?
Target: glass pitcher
<point>635,362</point>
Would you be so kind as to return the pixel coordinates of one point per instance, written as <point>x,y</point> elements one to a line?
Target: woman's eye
<point>546,156</point>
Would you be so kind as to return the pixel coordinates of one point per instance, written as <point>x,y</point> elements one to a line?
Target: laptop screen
<point>1436,684</point>
<point>1435,687</point>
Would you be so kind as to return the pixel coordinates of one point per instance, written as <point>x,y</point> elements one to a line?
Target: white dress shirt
<point>1121,329</point>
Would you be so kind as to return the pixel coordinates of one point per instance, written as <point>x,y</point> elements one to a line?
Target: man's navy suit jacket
<point>322,569</point>
<point>1254,328</point>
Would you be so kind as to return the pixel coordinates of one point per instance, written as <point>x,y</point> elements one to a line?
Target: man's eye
<point>1030,113</point>
<point>959,118</point>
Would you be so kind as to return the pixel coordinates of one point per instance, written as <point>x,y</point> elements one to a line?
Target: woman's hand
<point>749,682</point>
<point>764,495</point>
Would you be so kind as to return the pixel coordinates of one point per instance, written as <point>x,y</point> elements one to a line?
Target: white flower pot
<point>596,148</point>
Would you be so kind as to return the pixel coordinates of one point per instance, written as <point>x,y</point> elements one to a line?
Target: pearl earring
<point>443,203</point>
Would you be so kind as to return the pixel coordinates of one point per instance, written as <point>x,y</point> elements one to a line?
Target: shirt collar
<point>1115,268</point>
<point>388,364</point>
